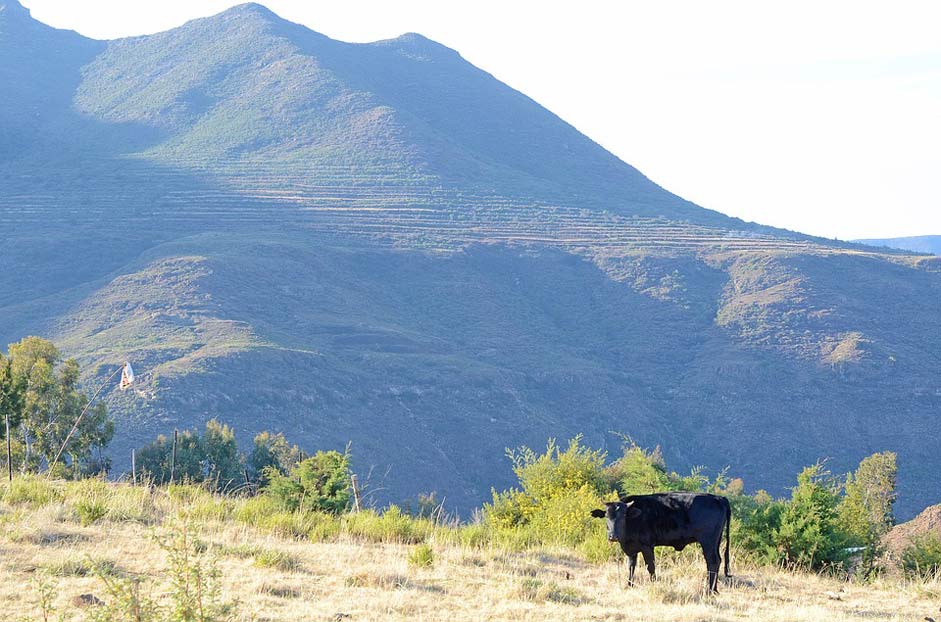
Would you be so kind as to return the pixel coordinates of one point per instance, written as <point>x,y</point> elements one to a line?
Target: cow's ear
<point>597,513</point>
<point>633,512</point>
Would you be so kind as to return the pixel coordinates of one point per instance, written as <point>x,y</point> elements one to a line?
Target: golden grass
<point>278,579</point>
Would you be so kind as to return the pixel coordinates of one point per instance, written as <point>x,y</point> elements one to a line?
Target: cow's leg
<point>651,562</point>
<point>713,561</point>
<point>631,565</point>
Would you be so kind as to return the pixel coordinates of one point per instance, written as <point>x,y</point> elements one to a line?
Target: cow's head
<point>616,515</point>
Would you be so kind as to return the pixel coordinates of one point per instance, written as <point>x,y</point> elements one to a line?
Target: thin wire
<point>79,420</point>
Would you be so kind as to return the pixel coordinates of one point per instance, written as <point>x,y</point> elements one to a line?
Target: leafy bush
<point>125,602</point>
<point>809,535</point>
<point>90,510</point>
<point>546,476</point>
<point>559,490</point>
<point>755,526</point>
<point>319,483</point>
<point>922,558</point>
<point>566,520</point>
<point>195,587</point>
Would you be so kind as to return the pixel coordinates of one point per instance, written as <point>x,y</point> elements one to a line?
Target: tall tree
<point>866,513</point>
<point>52,403</point>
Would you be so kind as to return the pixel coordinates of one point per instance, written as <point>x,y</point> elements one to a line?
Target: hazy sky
<point>824,117</point>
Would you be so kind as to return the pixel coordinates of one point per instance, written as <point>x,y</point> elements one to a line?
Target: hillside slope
<point>380,243</point>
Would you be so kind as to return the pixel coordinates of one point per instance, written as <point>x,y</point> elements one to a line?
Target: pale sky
<point>822,117</point>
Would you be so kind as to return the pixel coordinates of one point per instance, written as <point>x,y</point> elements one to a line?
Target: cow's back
<point>677,518</point>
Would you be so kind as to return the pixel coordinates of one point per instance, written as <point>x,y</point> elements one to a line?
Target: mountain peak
<point>252,8</point>
<point>416,45</point>
<point>13,9</point>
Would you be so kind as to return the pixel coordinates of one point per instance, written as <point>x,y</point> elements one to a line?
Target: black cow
<point>641,522</point>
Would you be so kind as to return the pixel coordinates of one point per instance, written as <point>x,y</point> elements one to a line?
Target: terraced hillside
<point>380,243</point>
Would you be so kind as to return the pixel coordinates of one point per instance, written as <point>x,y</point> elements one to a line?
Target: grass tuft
<point>277,559</point>
<point>421,556</point>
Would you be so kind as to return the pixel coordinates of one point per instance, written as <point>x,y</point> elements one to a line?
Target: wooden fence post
<point>173,456</point>
<point>355,481</point>
<point>134,467</point>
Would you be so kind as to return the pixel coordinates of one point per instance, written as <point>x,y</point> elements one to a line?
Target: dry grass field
<point>46,549</point>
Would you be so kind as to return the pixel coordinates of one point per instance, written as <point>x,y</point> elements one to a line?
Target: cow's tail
<point>728,531</point>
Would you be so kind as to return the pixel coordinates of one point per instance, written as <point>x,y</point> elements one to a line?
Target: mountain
<point>381,243</point>
<point>930,244</point>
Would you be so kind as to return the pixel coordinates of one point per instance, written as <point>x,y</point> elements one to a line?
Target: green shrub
<point>922,558</point>
<point>755,525</point>
<point>546,476</point>
<point>32,490</point>
<point>567,520</point>
<point>865,513</point>
<point>422,556</point>
<point>321,483</point>
<point>195,586</point>
<point>125,602</point>
<point>596,548</point>
<point>809,535</point>
<point>90,510</point>
<point>553,506</point>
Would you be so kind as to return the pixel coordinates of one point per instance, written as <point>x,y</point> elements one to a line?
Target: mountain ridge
<point>930,244</point>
